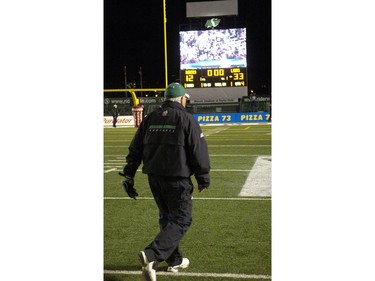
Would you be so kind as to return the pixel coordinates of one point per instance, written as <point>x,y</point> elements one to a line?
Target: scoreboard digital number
<point>214,77</point>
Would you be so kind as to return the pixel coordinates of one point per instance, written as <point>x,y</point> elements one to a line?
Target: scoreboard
<point>213,77</point>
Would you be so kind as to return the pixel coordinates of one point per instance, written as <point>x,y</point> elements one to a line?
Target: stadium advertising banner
<point>121,121</point>
<point>227,118</point>
<point>214,118</point>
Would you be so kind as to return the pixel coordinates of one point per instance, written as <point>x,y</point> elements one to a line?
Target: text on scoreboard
<point>214,77</point>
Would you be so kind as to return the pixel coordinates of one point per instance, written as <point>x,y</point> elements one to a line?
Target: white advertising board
<point>122,121</point>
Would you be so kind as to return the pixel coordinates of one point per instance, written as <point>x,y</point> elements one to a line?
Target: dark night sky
<point>133,36</point>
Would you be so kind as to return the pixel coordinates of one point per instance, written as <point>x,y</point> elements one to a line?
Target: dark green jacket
<point>169,142</point>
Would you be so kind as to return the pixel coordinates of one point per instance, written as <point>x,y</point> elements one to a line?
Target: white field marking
<point>237,145</point>
<point>116,146</point>
<point>113,165</point>
<point>234,155</point>
<point>110,170</point>
<point>214,131</point>
<point>211,155</point>
<point>266,128</point>
<point>215,145</point>
<point>199,198</point>
<point>241,133</point>
<point>258,182</point>
<point>248,132</point>
<point>193,274</point>
<point>229,170</point>
<point>237,139</point>
<point>117,140</point>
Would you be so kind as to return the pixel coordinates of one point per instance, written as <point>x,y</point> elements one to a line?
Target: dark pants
<point>114,121</point>
<point>173,198</point>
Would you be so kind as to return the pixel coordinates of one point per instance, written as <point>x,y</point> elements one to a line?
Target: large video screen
<point>213,48</point>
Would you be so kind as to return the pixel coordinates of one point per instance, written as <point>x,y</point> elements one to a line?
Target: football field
<point>230,237</point>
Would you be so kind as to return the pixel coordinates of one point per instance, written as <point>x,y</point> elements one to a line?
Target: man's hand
<point>201,187</point>
<point>128,186</point>
<point>203,182</point>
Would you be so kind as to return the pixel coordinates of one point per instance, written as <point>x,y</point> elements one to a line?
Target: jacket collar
<point>173,105</point>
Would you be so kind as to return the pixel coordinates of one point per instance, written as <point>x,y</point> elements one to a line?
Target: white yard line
<point>237,139</point>
<point>198,198</point>
<point>110,170</point>
<point>122,157</point>
<point>116,146</point>
<point>193,274</point>
<point>210,145</point>
<point>237,145</point>
<point>234,155</point>
<point>214,131</point>
<point>113,168</point>
<point>229,170</point>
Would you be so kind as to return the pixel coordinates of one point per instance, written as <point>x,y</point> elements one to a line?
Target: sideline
<point>193,274</point>
<point>199,198</point>
<point>112,168</point>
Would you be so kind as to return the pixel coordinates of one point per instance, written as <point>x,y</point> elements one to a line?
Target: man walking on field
<point>172,147</point>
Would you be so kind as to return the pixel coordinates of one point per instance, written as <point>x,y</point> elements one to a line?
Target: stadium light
<point>212,23</point>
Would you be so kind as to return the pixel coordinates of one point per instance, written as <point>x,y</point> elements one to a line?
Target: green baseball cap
<point>175,90</point>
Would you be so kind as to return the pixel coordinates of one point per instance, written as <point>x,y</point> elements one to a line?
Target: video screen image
<point>214,48</point>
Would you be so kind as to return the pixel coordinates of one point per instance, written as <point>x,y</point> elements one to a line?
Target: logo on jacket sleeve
<point>164,113</point>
